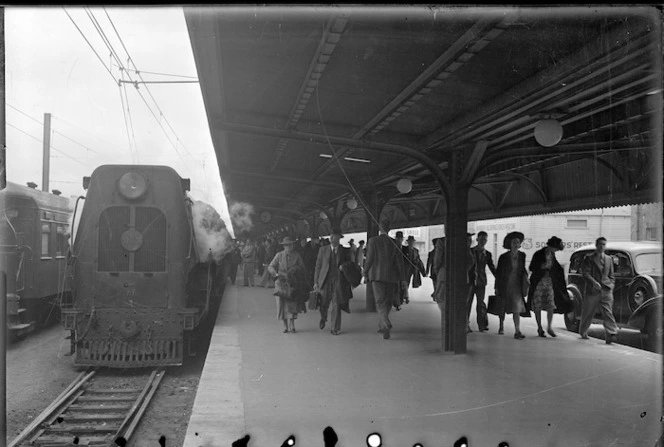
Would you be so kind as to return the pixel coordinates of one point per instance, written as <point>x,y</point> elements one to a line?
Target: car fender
<point>575,295</point>
<point>651,308</point>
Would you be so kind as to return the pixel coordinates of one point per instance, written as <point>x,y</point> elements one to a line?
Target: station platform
<point>560,391</point>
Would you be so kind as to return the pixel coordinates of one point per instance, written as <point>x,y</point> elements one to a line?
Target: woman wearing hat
<point>288,264</point>
<point>511,278</point>
<point>548,289</point>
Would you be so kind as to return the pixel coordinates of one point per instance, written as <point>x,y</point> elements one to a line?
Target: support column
<point>456,249</point>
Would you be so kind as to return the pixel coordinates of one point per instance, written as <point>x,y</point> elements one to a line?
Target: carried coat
<point>557,273</point>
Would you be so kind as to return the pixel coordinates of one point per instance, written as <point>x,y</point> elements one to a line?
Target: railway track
<point>90,413</point>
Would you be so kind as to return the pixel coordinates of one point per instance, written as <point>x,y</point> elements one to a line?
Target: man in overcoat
<point>330,282</point>
<point>384,271</point>
<point>597,268</point>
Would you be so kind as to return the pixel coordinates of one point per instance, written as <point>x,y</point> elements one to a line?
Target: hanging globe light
<point>404,186</point>
<point>351,204</point>
<point>548,132</point>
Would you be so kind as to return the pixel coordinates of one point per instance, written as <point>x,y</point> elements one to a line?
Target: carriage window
<point>575,262</point>
<point>61,240</point>
<point>45,240</point>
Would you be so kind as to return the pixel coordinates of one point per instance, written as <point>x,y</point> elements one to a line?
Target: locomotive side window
<point>112,257</point>
<point>45,240</point>
<point>151,256</point>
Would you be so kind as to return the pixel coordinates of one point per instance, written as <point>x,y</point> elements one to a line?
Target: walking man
<point>483,259</point>
<point>597,269</point>
<point>330,282</point>
<point>384,271</point>
<point>412,265</point>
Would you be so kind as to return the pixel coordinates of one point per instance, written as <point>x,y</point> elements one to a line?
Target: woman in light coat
<point>288,264</point>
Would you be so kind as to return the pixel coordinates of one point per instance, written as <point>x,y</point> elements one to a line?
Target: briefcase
<point>495,305</point>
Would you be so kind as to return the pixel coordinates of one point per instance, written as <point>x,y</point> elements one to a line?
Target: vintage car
<point>638,274</point>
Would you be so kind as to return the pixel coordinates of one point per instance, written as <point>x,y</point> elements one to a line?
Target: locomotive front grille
<point>117,353</point>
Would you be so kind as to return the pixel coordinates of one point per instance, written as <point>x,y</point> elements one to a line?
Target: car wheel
<point>571,321</point>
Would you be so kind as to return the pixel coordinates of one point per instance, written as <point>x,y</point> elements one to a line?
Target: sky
<point>51,69</point>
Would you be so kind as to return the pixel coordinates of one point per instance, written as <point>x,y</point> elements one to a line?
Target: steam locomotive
<point>140,287</point>
<point>33,246</point>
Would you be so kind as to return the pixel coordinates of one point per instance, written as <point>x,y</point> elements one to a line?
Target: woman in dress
<point>288,264</point>
<point>511,280</point>
<point>547,285</point>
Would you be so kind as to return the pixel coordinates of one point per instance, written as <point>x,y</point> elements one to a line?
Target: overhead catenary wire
<point>343,171</point>
<point>90,45</point>
<point>160,74</point>
<point>138,73</point>
<point>40,141</point>
<point>54,131</point>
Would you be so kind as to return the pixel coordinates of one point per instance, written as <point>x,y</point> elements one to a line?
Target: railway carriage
<point>34,227</point>
<point>139,287</point>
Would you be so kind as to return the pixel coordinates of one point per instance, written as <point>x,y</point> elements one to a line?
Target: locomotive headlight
<point>132,185</point>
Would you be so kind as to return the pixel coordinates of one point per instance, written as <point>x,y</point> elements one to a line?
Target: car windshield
<point>648,263</point>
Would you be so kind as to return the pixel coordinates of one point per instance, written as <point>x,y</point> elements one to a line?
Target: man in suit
<point>412,263</point>
<point>597,268</point>
<point>483,259</point>
<point>330,282</point>
<point>384,271</point>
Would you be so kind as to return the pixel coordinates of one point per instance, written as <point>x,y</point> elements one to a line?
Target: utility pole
<point>46,167</point>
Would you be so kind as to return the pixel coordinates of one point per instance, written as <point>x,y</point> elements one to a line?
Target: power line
<point>90,45</point>
<point>54,131</point>
<point>40,141</point>
<point>124,115</point>
<point>161,74</point>
<point>146,87</point>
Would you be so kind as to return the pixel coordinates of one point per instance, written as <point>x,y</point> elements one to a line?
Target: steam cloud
<point>241,216</point>
<point>212,237</point>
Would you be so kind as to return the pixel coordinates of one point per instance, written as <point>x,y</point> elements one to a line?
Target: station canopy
<point>309,109</point>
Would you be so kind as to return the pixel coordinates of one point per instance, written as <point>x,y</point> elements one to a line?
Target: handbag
<point>282,288</point>
<point>525,313</point>
<point>494,307</point>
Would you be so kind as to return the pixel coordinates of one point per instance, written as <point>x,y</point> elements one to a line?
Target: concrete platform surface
<point>532,392</point>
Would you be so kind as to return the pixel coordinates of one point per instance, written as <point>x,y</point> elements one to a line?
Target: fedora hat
<point>411,238</point>
<point>512,235</point>
<point>336,231</point>
<point>287,241</point>
<point>399,234</point>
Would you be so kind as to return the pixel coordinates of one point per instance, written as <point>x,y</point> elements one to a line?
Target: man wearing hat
<point>483,260</point>
<point>412,266</point>
<point>329,280</point>
<point>384,271</point>
<point>403,290</point>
